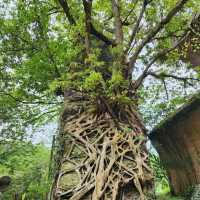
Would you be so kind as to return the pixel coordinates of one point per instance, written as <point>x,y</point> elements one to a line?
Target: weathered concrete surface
<point>177,141</point>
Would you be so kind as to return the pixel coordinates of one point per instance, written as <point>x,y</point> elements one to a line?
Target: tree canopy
<point>42,44</point>
<point>40,51</point>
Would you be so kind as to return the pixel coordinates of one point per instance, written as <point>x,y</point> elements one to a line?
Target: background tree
<point>98,54</point>
<point>27,165</point>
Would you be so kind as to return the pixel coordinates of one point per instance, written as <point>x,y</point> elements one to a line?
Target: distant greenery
<point>162,188</point>
<point>27,164</point>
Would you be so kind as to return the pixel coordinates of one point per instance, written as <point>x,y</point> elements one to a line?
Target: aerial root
<point>108,159</point>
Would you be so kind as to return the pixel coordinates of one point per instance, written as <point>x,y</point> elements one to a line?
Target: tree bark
<point>118,22</point>
<point>103,153</point>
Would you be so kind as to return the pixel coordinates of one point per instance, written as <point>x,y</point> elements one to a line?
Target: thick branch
<point>156,29</point>
<point>66,9</point>
<point>117,21</point>
<point>90,27</point>
<point>165,86</point>
<point>88,14</point>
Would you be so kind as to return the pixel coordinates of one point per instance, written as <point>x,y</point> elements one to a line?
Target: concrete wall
<point>178,144</point>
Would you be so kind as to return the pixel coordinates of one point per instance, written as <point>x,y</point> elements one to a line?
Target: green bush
<point>27,165</point>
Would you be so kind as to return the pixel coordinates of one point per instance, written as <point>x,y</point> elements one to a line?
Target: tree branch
<point>124,22</point>
<point>155,30</point>
<point>91,28</point>
<point>165,86</point>
<point>162,76</point>
<point>88,13</point>
<point>66,9</point>
<point>135,28</point>
<point>160,54</point>
<point>101,36</point>
<point>28,102</point>
<point>40,116</point>
<point>117,21</point>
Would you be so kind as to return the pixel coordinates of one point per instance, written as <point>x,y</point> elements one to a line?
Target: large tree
<point>97,55</point>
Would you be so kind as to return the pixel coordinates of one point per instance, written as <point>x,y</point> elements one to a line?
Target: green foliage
<point>161,179</point>
<point>27,165</point>
<point>40,52</point>
<point>162,188</point>
<point>93,82</point>
<point>117,81</point>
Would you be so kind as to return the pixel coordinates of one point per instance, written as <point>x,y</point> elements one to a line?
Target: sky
<point>44,134</point>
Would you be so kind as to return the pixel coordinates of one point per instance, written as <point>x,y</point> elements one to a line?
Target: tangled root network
<point>103,158</point>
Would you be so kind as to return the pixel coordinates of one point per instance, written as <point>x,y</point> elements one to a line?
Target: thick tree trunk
<point>103,153</point>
